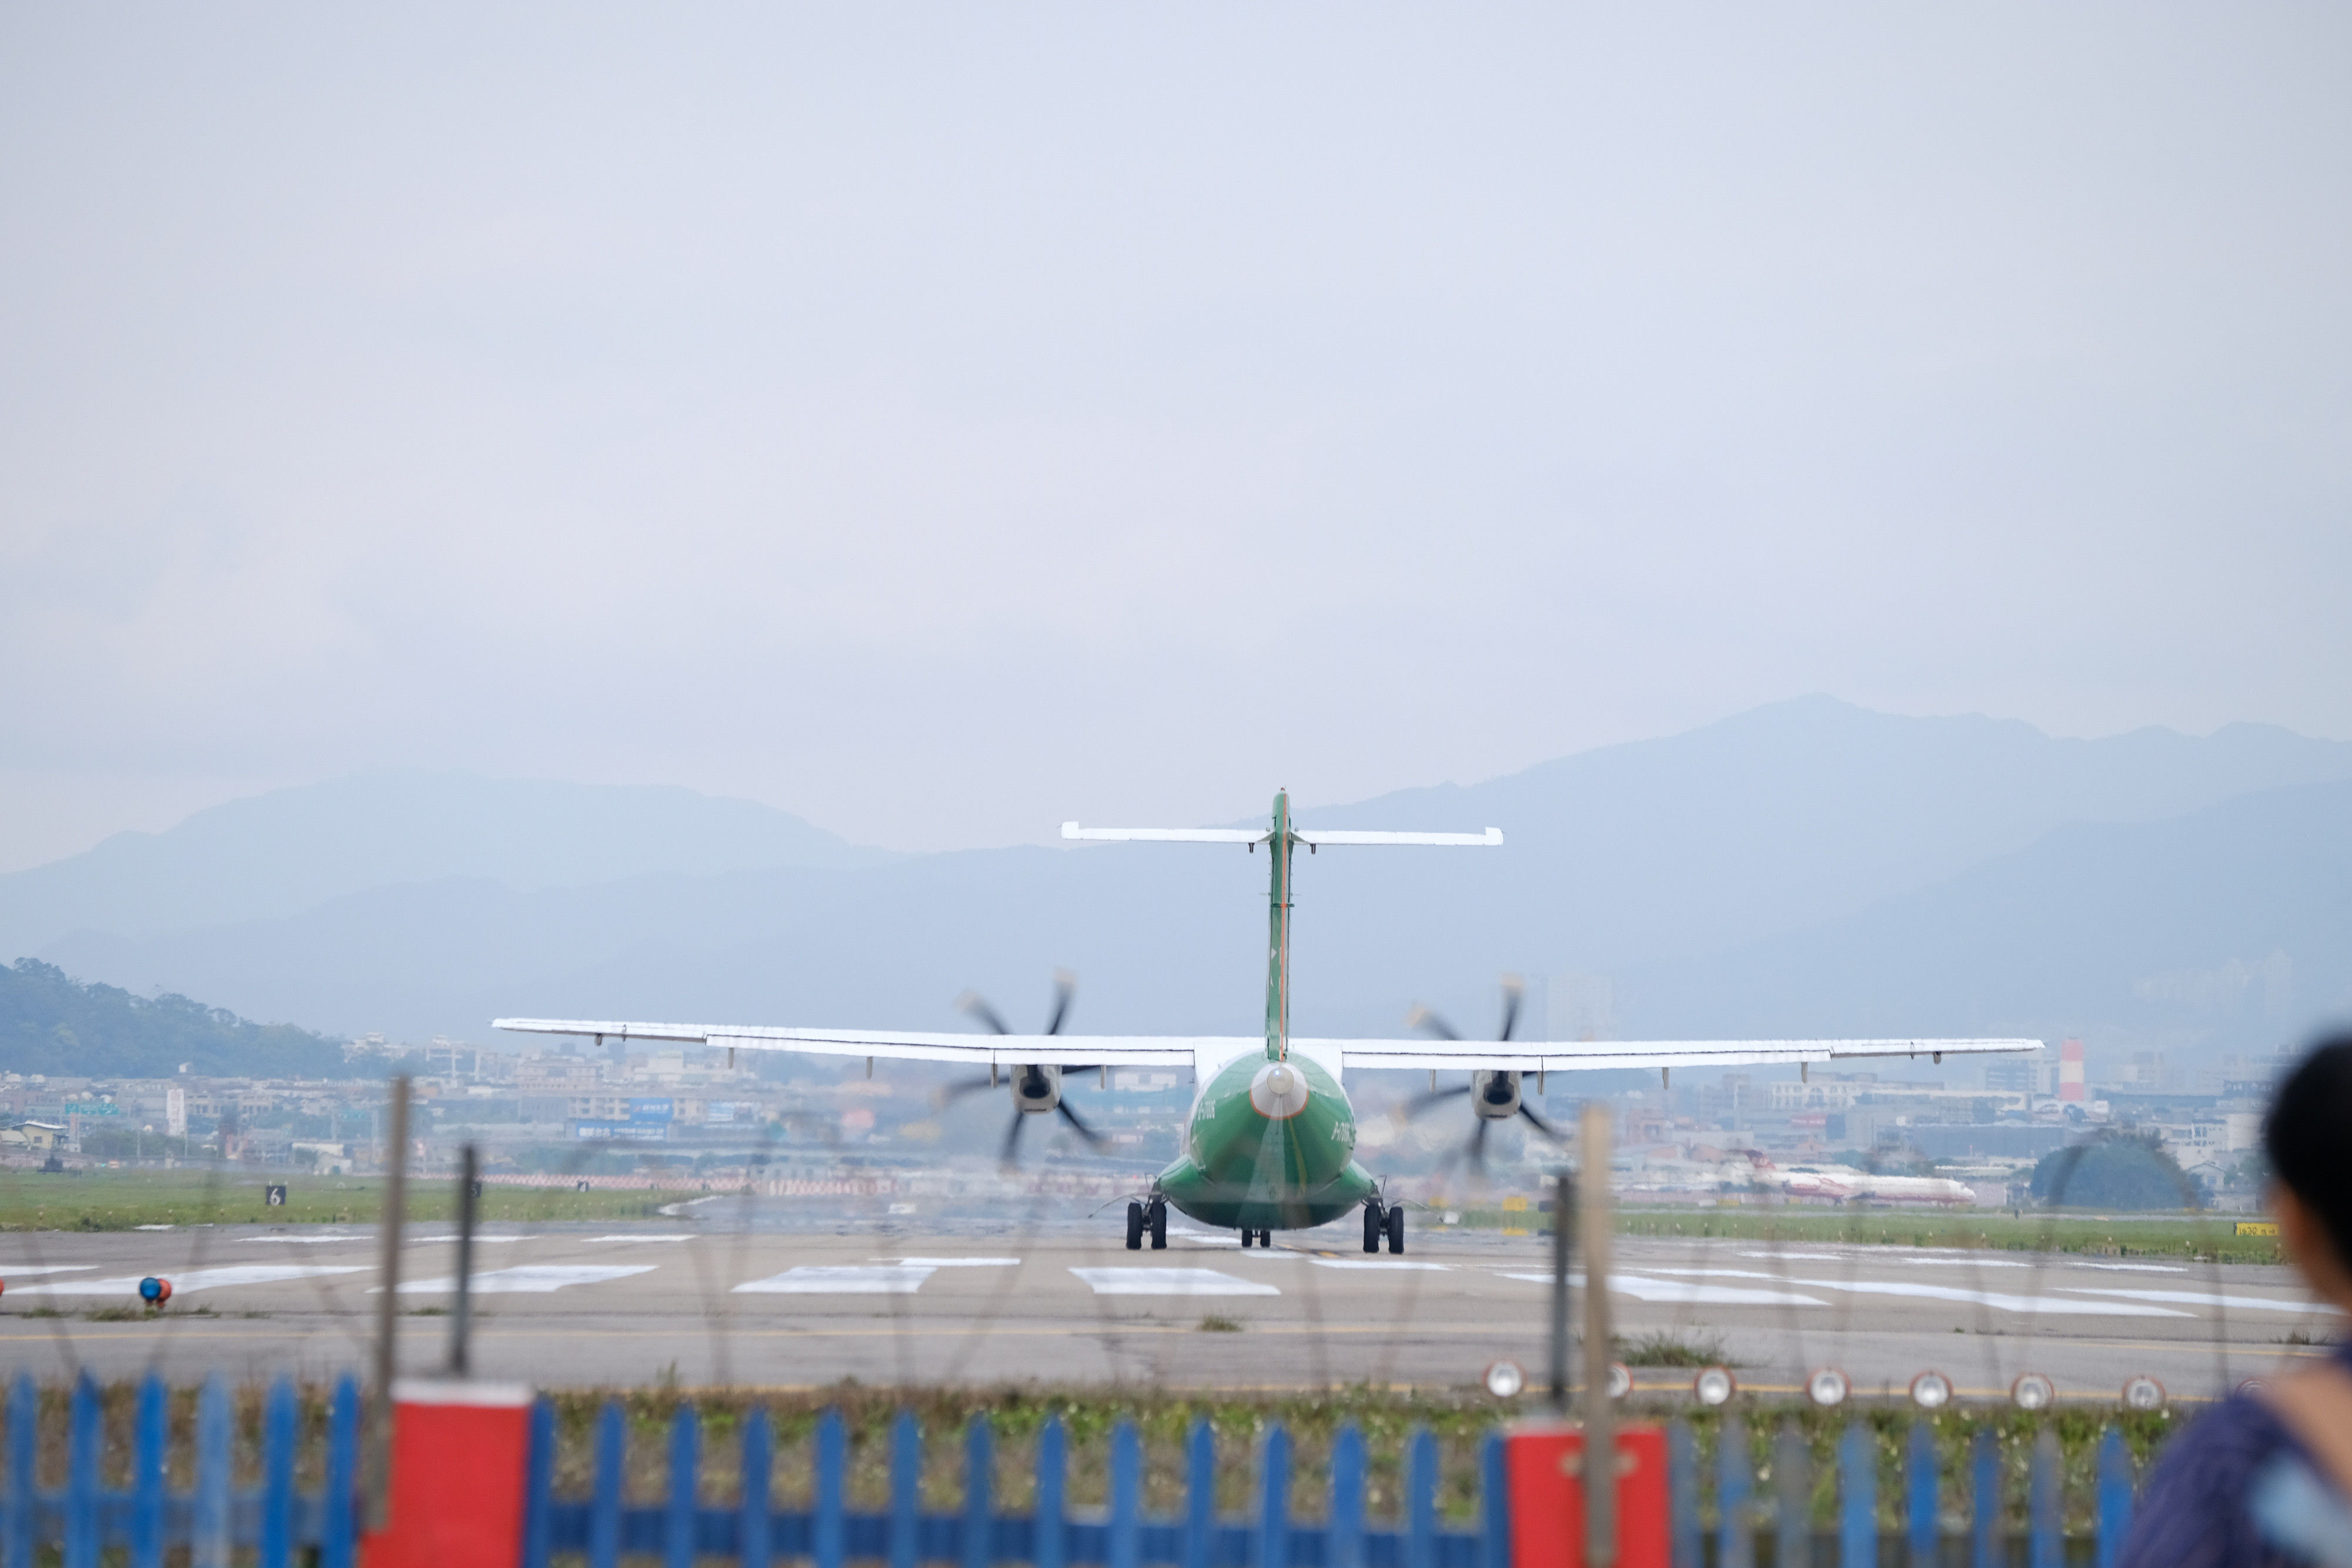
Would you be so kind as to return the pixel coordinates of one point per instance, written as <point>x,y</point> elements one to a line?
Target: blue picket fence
<point>265,1525</point>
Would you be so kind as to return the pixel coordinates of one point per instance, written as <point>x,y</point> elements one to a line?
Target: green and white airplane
<point>1270,1144</point>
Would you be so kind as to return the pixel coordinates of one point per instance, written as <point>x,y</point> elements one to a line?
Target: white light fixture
<point>1827,1386</point>
<point>1714,1385</point>
<point>1504,1379</point>
<point>2142,1393</point>
<point>1931,1391</point>
<point>2032,1391</point>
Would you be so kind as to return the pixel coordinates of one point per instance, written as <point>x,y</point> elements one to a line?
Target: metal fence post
<point>979,1492</point>
<point>829,1529</point>
<point>1495,1501</point>
<point>1052,1461</point>
<point>387,1309</point>
<point>1792,1475</point>
<point>278,1415</point>
<point>1201,1496</point>
<point>24,1455</point>
<point>213,1435</point>
<point>906,1493</point>
<point>1985,1550</point>
<point>685,1487</point>
<point>1126,1497</point>
<point>1347,1516</point>
<point>84,1439</point>
<point>2114,1497</point>
<point>538,1487</point>
<point>1274,1499</point>
<point>605,1506</point>
<point>756,1521</point>
<point>1857,1499</point>
<point>150,1444</point>
<point>1682,1494</point>
<point>1923,1505</point>
<point>1421,1500</point>
<point>2048,1550</point>
<point>1735,1484</point>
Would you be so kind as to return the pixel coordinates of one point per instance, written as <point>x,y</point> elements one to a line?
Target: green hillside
<point>51,1023</point>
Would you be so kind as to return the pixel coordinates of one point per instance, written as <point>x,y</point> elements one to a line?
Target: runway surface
<point>803,1298</point>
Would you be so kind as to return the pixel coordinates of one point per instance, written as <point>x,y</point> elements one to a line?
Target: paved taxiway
<point>811,1299</point>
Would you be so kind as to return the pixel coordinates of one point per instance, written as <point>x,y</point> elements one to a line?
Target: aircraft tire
<point>1159,1225</point>
<point>1396,1230</point>
<point>1134,1226</point>
<point>1375,1227</point>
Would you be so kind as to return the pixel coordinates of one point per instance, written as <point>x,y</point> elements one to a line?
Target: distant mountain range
<point>1807,867</point>
<point>279,853</point>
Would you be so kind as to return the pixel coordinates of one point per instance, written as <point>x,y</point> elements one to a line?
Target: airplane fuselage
<point>1270,1146</point>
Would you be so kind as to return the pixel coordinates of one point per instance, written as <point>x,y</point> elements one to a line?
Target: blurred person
<point>2266,1476</point>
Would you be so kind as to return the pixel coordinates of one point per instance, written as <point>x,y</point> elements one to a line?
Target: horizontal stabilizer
<point>1168,835</point>
<point>1256,836</point>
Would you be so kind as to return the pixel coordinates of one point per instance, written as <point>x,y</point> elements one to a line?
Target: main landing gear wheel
<point>1134,1226</point>
<point>1375,1226</point>
<point>1157,1218</point>
<point>1396,1230</point>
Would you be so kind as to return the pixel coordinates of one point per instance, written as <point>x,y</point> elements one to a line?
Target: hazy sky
<point>942,419</point>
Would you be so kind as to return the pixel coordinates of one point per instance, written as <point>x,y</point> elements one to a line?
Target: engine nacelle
<point>1495,1095</point>
<point>1037,1087</point>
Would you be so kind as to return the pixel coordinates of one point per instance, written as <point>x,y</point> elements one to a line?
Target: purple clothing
<point>2199,1507</point>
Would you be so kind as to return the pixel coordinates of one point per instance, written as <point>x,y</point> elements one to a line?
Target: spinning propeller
<point>1036,1086</point>
<point>1495,1095</point>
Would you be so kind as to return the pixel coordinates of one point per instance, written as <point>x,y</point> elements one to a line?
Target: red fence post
<point>459,1453</point>
<point>1545,1462</point>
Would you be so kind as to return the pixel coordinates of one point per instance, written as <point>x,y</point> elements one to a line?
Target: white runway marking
<point>668,1236</point>
<point>305,1240</point>
<point>1375,1263</point>
<point>534,1278</point>
<point>839,1280</point>
<point>194,1279</point>
<point>1946,1261</point>
<point>10,1270</point>
<point>2203,1299</point>
<point>2052,1305</point>
<point>953,1262</point>
<point>478,1241</point>
<point>2133,1268</point>
<point>1213,1237</point>
<point>1169,1282</point>
<point>1644,1289</point>
<point>2055,1304</point>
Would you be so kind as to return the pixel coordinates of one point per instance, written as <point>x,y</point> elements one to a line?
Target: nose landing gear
<point>1151,1219</point>
<point>1383,1221</point>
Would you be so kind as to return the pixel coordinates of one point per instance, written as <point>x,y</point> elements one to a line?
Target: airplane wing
<point>1560,1056</point>
<point>979,1050</point>
<point>1207,1052</point>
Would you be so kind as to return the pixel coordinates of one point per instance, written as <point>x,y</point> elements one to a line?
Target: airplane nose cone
<point>1279,1091</point>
